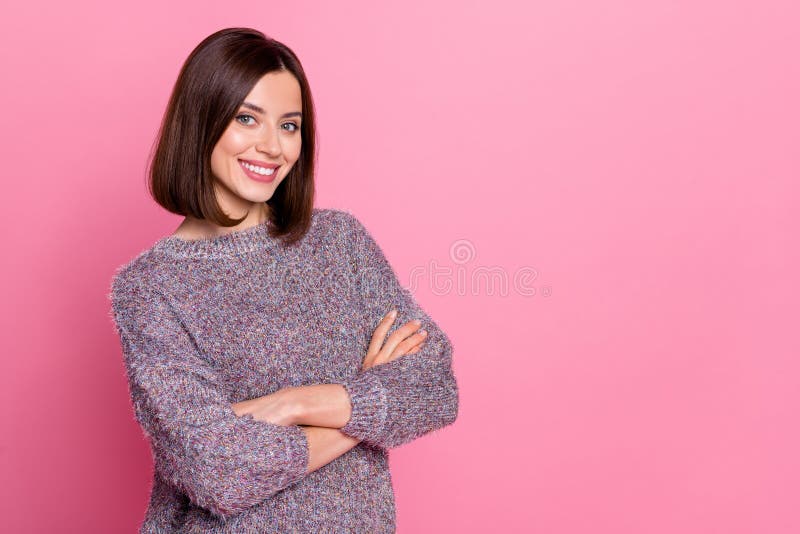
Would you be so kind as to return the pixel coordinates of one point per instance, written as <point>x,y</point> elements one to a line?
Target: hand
<point>401,341</point>
<point>277,407</point>
<point>325,405</point>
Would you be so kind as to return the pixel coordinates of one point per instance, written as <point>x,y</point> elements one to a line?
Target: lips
<point>259,177</point>
<point>261,163</point>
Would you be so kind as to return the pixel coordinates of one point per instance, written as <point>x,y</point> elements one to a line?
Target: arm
<point>222,462</point>
<point>403,399</point>
<point>324,407</point>
<point>325,445</point>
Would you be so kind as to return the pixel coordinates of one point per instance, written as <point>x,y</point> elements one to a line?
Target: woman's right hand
<point>402,341</point>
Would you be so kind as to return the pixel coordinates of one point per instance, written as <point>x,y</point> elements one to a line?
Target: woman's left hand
<point>278,408</point>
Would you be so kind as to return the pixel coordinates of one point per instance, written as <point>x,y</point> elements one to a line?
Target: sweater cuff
<point>297,455</point>
<point>369,407</point>
<point>287,449</point>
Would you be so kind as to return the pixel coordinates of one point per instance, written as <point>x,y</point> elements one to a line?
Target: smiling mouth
<point>257,169</point>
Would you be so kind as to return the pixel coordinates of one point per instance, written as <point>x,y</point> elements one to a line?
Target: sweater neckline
<point>246,240</point>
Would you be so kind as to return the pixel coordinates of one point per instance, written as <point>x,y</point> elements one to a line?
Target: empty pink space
<point>596,200</point>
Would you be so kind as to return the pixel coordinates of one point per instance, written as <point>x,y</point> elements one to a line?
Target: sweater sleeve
<point>398,401</point>
<point>222,462</point>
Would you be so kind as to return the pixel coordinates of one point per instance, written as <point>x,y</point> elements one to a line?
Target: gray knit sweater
<point>207,323</point>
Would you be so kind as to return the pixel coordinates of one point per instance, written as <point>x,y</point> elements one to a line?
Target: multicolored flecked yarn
<point>211,322</point>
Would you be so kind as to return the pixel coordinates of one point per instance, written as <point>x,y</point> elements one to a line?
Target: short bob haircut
<point>212,84</point>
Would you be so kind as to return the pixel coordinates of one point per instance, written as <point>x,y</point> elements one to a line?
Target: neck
<point>193,228</point>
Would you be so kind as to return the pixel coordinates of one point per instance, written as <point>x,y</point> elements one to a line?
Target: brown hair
<point>213,82</point>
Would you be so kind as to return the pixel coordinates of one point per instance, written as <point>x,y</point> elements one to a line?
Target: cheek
<point>292,149</point>
<point>233,142</point>
<point>230,145</point>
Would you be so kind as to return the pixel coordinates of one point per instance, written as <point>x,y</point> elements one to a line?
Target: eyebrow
<point>257,109</point>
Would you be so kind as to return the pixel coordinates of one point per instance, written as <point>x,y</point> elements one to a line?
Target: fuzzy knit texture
<point>207,323</point>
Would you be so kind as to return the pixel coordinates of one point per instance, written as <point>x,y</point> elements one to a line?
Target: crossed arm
<point>322,410</point>
<point>394,399</point>
<point>227,458</point>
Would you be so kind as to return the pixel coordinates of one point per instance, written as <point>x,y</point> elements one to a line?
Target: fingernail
<point>393,313</point>
<point>417,322</point>
<point>423,332</point>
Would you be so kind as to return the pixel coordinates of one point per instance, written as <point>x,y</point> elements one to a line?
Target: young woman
<point>263,361</point>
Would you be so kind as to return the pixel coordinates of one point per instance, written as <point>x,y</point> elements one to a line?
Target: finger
<point>407,344</point>
<point>402,348</point>
<point>414,350</point>
<point>379,335</point>
<point>380,332</point>
<point>398,336</point>
<point>398,354</point>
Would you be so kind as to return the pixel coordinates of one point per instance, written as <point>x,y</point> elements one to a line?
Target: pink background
<point>640,156</point>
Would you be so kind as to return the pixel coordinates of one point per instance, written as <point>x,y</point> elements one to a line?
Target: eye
<point>245,116</point>
<point>295,126</point>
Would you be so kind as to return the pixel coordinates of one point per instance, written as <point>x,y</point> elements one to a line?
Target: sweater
<point>207,323</point>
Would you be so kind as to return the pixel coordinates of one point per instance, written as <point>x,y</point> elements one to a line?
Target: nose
<point>268,143</point>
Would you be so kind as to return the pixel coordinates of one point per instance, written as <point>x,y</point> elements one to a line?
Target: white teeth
<point>259,170</point>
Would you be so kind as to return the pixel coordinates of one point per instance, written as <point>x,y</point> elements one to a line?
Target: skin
<point>273,137</point>
<point>326,407</point>
<point>267,138</point>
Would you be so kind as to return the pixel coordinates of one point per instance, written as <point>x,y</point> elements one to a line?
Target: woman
<point>255,337</point>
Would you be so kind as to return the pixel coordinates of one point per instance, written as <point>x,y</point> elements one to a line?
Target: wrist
<point>326,405</point>
<point>295,405</point>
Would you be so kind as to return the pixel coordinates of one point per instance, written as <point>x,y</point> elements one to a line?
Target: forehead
<point>276,92</point>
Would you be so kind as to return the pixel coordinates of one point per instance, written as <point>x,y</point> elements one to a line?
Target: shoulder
<point>343,233</point>
<point>134,281</point>
<point>340,220</point>
<point>333,215</point>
